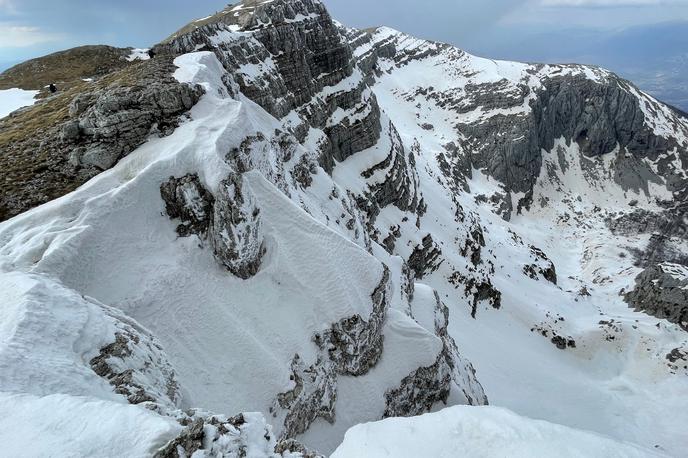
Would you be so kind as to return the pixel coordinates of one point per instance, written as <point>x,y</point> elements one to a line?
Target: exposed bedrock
<point>662,291</point>
<point>136,365</point>
<point>599,116</point>
<point>355,343</point>
<point>462,371</point>
<point>230,221</point>
<point>425,258</point>
<point>350,347</point>
<point>119,120</point>
<point>668,229</point>
<point>419,391</point>
<point>542,266</point>
<point>67,139</point>
<point>301,53</point>
<point>235,232</point>
<point>187,200</point>
<point>423,388</point>
<point>244,435</point>
<point>314,395</point>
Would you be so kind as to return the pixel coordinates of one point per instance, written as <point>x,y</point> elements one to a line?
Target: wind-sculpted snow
<point>211,305</point>
<point>348,225</point>
<point>484,432</point>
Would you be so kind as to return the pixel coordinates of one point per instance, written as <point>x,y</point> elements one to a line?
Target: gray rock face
<point>461,370</point>
<point>400,186</point>
<point>107,125</point>
<point>186,199</point>
<point>305,53</point>
<point>598,116</point>
<point>355,344</point>
<point>662,291</point>
<point>350,347</point>
<point>669,229</point>
<point>231,221</point>
<point>419,391</point>
<point>72,137</point>
<point>314,396</point>
<point>478,290</point>
<point>595,109</point>
<point>206,435</point>
<point>137,367</point>
<point>542,266</point>
<point>425,257</point>
<point>235,231</point>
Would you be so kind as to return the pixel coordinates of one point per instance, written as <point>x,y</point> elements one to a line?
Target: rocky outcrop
<point>425,258</point>
<point>106,126</point>
<point>314,396</point>
<point>54,147</point>
<point>355,344</point>
<point>426,386</point>
<point>477,290</point>
<point>350,347</point>
<point>235,231</point>
<point>542,266</point>
<point>137,367</point>
<point>400,185</point>
<point>301,52</point>
<point>244,435</point>
<point>504,124</point>
<point>599,115</point>
<point>231,221</point>
<point>461,370</point>
<point>669,228</point>
<point>662,291</point>
<point>187,200</point>
<point>419,391</point>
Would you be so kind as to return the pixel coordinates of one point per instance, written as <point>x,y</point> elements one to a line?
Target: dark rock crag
<point>662,291</point>
<point>231,221</point>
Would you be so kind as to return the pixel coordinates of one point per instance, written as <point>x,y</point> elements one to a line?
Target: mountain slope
<point>336,226</point>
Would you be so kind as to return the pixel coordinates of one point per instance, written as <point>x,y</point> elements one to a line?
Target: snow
<point>14,99</point>
<point>70,329</point>
<point>138,54</point>
<point>70,426</point>
<point>615,382</point>
<point>70,269</point>
<point>111,242</point>
<point>479,432</point>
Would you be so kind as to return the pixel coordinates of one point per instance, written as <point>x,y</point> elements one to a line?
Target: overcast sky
<point>32,27</point>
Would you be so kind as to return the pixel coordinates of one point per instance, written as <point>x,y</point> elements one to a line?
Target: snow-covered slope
<point>477,432</point>
<point>14,99</point>
<point>349,226</point>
